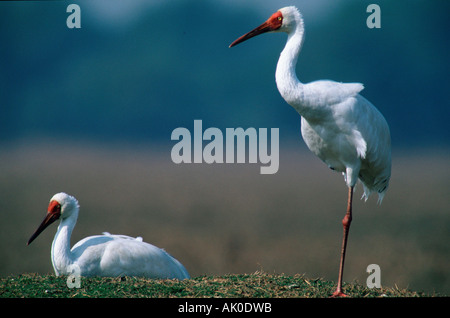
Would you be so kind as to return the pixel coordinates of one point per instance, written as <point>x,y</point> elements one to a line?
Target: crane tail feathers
<point>367,193</point>
<point>380,197</point>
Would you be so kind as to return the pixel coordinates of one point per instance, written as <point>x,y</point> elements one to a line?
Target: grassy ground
<point>256,285</point>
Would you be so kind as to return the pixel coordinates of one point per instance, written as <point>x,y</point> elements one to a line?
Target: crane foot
<point>338,293</point>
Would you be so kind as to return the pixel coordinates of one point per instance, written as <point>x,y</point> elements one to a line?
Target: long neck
<point>290,88</point>
<point>61,255</point>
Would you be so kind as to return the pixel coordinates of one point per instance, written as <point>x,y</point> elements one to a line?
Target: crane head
<point>282,20</point>
<point>61,205</point>
<point>53,214</point>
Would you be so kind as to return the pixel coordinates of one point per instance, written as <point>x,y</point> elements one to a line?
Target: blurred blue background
<point>138,69</point>
<point>90,111</point>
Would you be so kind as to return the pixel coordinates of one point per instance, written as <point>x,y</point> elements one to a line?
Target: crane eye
<point>280,18</point>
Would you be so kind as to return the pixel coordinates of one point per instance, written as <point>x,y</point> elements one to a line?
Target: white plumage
<point>103,255</point>
<point>338,125</point>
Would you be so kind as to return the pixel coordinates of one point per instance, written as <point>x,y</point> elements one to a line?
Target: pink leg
<point>346,223</point>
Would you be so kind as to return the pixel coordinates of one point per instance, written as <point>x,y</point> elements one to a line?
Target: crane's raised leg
<point>346,223</point>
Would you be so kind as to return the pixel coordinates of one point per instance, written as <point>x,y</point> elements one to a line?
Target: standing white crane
<point>338,125</point>
<point>103,255</point>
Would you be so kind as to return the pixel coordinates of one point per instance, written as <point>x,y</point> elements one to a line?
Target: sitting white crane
<point>103,255</point>
<point>338,125</point>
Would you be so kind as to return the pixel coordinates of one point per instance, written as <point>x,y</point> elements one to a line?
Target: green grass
<point>256,285</point>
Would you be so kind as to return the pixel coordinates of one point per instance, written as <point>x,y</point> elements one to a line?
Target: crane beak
<point>51,217</point>
<point>263,28</point>
<point>272,24</point>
